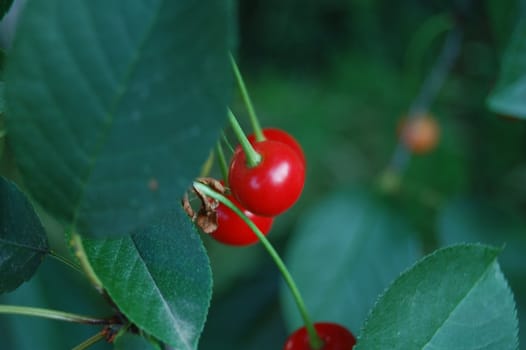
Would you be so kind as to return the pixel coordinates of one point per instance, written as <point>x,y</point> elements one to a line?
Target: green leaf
<point>509,96</point>
<point>113,106</point>
<point>346,252</point>
<point>23,241</point>
<point>477,220</point>
<point>159,278</point>
<point>455,298</point>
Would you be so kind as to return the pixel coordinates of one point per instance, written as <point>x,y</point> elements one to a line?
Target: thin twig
<point>90,341</point>
<point>65,261</point>
<point>428,93</point>
<point>52,314</point>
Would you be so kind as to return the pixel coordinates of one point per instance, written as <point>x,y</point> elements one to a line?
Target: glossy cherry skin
<point>232,230</point>
<point>275,134</point>
<point>334,336</point>
<point>272,186</point>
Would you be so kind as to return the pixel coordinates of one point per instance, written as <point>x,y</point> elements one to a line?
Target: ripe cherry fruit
<point>273,185</point>
<point>334,336</point>
<point>420,134</point>
<point>232,230</point>
<point>275,134</point>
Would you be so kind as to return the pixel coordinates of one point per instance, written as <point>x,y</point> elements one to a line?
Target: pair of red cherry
<point>263,191</point>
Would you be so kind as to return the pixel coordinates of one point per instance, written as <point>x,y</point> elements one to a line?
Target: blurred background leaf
<point>345,252</point>
<point>55,286</point>
<point>508,96</point>
<point>248,317</point>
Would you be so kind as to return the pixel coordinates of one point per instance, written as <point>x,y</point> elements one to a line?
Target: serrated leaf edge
<point>421,261</point>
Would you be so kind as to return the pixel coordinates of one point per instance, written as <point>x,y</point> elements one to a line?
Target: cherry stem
<point>65,261</point>
<point>315,341</point>
<point>222,162</point>
<point>80,253</point>
<point>90,341</point>
<point>248,103</point>
<point>227,143</point>
<point>51,314</point>
<point>253,158</point>
<point>207,165</point>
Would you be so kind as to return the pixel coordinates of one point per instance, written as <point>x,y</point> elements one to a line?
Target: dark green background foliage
<point>339,75</point>
<point>336,74</point>
<point>57,287</point>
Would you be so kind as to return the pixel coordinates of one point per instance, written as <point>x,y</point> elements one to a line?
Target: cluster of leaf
<point>111,110</point>
<point>104,102</point>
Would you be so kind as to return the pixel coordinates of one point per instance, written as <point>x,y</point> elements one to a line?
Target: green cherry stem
<point>51,314</point>
<point>253,158</point>
<point>90,341</point>
<point>248,103</point>
<point>314,338</point>
<point>80,253</point>
<point>227,143</point>
<point>222,162</point>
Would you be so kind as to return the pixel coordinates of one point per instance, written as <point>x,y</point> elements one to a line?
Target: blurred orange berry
<point>420,134</point>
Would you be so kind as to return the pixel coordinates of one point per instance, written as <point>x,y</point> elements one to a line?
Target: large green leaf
<point>509,96</point>
<point>477,220</point>
<point>455,298</point>
<point>346,252</point>
<point>159,278</point>
<point>113,106</point>
<point>23,241</point>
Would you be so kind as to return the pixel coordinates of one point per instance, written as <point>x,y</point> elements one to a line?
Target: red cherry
<point>232,230</point>
<point>334,336</point>
<point>275,134</point>
<point>272,186</point>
